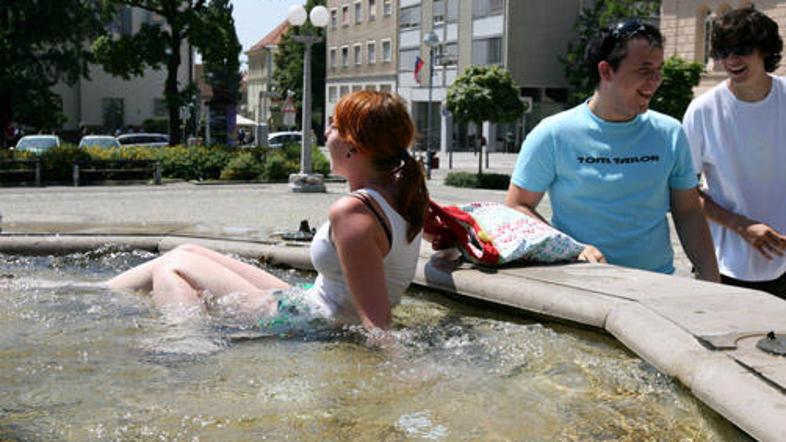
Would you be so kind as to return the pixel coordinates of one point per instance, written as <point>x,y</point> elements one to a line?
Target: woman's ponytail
<point>412,195</point>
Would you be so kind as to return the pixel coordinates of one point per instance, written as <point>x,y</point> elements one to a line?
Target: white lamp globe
<point>296,15</point>
<point>319,16</point>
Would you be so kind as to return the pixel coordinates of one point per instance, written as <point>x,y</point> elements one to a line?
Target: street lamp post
<point>306,181</point>
<point>431,40</point>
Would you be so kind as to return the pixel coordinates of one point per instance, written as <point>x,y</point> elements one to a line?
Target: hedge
<point>493,181</point>
<point>184,162</point>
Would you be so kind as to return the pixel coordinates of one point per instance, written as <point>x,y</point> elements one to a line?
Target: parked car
<point>277,140</point>
<point>37,143</point>
<point>144,140</point>
<point>104,141</point>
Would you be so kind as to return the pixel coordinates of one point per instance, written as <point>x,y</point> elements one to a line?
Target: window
<point>159,107</point>
<point>387,7</point>
<point>332,57</point>
<point>358,56</point>
<point>487,51</point>
<point>112,113</point>
<point>445,8</point>
<point>126,20</point>
<point>345,15</point>
<point>371,52</point>
<point>344,56</point>
<point>446,54</point>
<point>409,17</point>
<point>386,51</point>
<point>356,87</point>
<point>333,18</point>
<point>372,10</point>
<point>707,37</point>
<point>331,94</point>
<point>406,59</point>
<point>484,8</point>
<point>371,87</point>
<point>344,90</point>
<point>385,88</point>
<point>358,13</point>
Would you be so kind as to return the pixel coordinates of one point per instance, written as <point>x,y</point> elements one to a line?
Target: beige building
<point>104,102</point>
<point>526,37</point>
<point>361,48</point>
<point>686,24</point>
<point>260,74</point>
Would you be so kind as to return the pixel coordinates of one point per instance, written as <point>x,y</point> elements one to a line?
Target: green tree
<point>217,41</point>
<point>484,93</point>
<point>676,91</point>
<point>597,16</point>
<point>41,43</point>
<point>288,74</point>
<point>154,46</point>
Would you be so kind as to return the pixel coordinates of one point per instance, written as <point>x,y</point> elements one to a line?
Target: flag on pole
<point>419,63</point>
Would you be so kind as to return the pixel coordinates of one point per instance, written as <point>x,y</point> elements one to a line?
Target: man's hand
<point>764,239</point>
<point>591,254</point>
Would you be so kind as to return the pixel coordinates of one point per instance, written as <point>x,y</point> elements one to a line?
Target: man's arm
<point>693,232</point>
<point>766,240</point>
<point>526,201</point>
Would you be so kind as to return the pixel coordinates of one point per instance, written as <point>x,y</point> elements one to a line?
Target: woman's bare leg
<point>140,278</point>
<point>256,276</point>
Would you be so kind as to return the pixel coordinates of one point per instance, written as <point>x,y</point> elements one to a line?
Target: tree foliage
<point>155,46</point>
<point>288,74</point>
<point>591,19</point>
<point>484,93</point>
<point>676,91</point>
<point>217,41</point>
<point>41,43</point>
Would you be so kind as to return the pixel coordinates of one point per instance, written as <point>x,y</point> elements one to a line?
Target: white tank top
<point>330,288</point>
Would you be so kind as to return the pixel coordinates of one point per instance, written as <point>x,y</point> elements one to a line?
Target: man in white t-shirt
<point>737,133</point>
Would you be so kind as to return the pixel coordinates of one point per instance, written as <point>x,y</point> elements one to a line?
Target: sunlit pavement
<point>253,211</point>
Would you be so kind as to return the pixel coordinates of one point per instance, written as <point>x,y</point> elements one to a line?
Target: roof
<point>272,38</point>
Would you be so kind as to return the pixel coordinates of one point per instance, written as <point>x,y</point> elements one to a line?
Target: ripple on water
<point>79,362</point>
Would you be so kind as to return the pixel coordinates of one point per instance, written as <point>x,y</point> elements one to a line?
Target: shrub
<point>277,167</point>
<point>57,163</point>
<point>244,166</point>
<point>493,181</point>
<point>158,125</point>
<point>195,162</point>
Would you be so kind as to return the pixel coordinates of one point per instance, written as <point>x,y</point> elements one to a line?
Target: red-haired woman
<point>365,254</point>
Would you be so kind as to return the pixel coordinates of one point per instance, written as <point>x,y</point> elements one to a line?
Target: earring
<point>348,154</point>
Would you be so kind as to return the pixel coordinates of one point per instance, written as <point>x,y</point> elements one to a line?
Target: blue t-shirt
<point>609,183</point>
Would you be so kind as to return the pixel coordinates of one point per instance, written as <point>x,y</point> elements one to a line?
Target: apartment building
<point>687,24</point>
<point>260,73</point>
<point>108,102</point>
<point>361,48</point>
<point>526,37</point>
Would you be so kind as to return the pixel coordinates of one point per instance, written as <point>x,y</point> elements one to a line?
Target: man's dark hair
<point>611,44</point>
<point>747,27</point>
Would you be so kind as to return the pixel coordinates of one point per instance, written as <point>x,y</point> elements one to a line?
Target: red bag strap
<point>459,227</point>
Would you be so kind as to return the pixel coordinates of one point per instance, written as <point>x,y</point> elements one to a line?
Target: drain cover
<point>772,343</point>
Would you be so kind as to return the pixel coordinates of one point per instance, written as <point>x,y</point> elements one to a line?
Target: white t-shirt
<point>740,148</point>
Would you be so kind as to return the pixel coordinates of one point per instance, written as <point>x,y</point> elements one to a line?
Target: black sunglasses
<point>739,51</point>
<point>627,28</point>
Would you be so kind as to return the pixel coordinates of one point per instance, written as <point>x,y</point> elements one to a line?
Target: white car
<point>144,140</point>
<point>278,140</point>
<point>37,143</point>
<point>104,141</point>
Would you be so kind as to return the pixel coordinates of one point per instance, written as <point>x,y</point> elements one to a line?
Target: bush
<point>493,181</point>
<point>277,167</point>
<point>244,166</point>
<point>194,163</point>
<point>57,163</point>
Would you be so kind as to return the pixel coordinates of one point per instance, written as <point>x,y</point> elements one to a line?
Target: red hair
<point>378,124</point>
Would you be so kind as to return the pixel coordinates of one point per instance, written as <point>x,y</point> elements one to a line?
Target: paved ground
<point>234,210</point>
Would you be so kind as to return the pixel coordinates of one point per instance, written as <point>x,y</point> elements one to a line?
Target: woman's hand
<point>591,254</point>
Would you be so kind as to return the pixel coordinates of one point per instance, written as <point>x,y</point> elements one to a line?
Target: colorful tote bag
<point>495,234</point>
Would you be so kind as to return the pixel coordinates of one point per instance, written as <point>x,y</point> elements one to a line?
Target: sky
<point>255,18</point>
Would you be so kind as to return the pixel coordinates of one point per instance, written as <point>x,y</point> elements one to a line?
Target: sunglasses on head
<point>739,51</point>
<point>627,28</point>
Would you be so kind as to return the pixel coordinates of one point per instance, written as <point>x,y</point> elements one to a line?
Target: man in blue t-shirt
<point>613,168</point>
